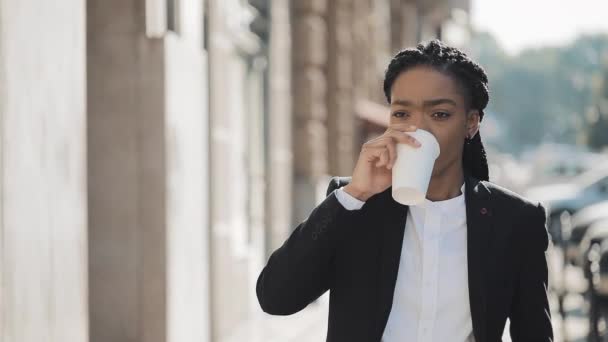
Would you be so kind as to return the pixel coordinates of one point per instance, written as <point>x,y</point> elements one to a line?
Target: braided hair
<point>469,75</point>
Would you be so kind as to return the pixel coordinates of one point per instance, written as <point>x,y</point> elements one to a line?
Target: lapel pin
<point>483,211</point>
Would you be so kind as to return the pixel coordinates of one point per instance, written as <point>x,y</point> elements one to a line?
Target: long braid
<point>467,73</point>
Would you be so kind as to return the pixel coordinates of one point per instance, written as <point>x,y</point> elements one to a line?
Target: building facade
<point>158,151</point>
<point>147,143</point>
<point>340,51</point>
<point>43,212</point>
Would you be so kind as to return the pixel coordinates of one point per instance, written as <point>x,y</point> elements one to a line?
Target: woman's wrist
<point>356,193</point>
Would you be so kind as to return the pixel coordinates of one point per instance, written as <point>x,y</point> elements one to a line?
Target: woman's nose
<point>420,124</point>
<point>417,120</point>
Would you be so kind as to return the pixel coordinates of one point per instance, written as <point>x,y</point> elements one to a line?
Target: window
<point>173,15</point>
<point>205,35</point>
<point>162,16</point>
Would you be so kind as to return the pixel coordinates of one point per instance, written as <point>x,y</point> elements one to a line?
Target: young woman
<point>453,269</point>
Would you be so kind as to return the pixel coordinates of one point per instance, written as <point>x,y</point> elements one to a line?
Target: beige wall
<point>238,164</point>
<point>187,202</point>
<point>280,148</point>
<point>43,250</point>
<point>126,177</point>
<point>147,176</point>
<point>310,110</point>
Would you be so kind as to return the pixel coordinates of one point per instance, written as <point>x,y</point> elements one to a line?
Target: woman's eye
<point>399,114</point>
<point>441,115</point>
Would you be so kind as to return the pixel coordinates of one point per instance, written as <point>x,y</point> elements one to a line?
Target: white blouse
<point>431,298</point>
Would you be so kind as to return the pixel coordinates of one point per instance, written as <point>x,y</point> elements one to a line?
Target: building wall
<point>310,110</point>
<point>238,72</point>
<point>126,174</point>
<point>340,82</point>
<point>338,66</point>
<point>148,185</point>
<point>280,149</point>
<point>43,214</point>
<point>337,79</point>
<point>187,179</point>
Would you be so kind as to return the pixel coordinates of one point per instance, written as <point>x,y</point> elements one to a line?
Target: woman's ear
<point>472,123</point>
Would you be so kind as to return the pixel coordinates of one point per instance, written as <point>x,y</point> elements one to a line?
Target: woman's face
<point>432,101</point>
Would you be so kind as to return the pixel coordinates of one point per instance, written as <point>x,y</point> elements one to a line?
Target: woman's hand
<point>373,170</point>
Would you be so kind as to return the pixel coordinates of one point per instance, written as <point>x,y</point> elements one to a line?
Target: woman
<point>453,269</point>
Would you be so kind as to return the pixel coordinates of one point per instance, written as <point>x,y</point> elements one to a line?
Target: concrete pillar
<point>237,101</point>
<point>310,104</point>
<point>187,230</point>
<point>397,23</point>
<point>280,172</point>
<point>342,149</point>
<point>410,25</point>
<point>404,24</point>
<point>148,178</point>
<point>364,68</point>
<point>43,215</point>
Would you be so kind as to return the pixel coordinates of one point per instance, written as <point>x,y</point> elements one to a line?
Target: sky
<point>518,24</point>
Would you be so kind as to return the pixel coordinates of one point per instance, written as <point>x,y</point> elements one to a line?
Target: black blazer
<point>355,255</point>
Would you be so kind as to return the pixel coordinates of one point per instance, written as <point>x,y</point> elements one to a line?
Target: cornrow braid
<point>469,75</point>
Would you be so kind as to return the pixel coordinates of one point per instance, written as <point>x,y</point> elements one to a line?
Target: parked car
<point>595,235</point>
<point>601,281</point>
<point>580,223</point>
<point>598,290</point>
<point>584,190</point>
<point>555,163</point>
<point>592,250</point>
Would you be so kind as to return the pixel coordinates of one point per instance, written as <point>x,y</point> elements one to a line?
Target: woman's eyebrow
<point>427,103</point>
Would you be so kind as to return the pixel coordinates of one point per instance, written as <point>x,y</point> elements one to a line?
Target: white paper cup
<point>413,168</point>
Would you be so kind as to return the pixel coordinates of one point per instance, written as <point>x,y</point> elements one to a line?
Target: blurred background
<point>155,152</point>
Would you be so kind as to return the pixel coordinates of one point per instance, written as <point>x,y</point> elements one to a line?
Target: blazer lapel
<point>393,216</point>
<point>479,230</point>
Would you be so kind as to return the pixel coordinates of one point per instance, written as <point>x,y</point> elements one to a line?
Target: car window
<point>592,177</point>
<point>603,184</point>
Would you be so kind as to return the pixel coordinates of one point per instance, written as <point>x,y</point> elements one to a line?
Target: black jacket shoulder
<point>528,214</point>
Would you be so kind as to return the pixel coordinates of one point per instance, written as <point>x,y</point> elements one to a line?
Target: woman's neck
<point>446,185</point>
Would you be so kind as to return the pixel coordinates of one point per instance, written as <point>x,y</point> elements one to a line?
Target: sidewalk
<point>308,325</point>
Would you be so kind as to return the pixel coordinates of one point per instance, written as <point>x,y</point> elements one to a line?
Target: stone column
<point>404,24</point>
<point>238,108</point>
<point>126,176</point>
<point>342,149</point>
<point>410,24</point>
<point>147,171</point>
<point>397,23</point>
<point>43,190</point>
<point>280,172</point>
<point>309,37</point>
<point>364,67</point>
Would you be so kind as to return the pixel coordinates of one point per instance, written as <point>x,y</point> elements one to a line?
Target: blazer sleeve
<point>301,270</point>
<point>530,314</point>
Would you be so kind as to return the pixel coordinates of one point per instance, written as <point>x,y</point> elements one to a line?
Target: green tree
<point>541,94</point>
<point>598,118</point>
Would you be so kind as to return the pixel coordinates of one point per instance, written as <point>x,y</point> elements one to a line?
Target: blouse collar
<point>451,205</point>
